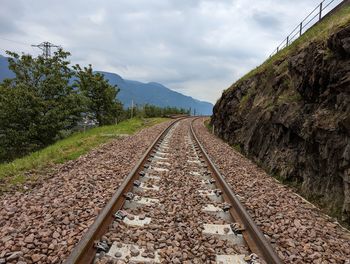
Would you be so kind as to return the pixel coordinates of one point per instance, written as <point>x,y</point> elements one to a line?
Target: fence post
<point>290,40</point>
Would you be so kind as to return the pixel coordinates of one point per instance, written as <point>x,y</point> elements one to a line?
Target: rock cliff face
<point>293,118</point>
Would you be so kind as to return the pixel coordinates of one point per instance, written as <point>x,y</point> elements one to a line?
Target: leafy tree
<point>37,104</point>
<point>42,102</point>
<point>17,130</point>
<point>101,103</point>
<point>119,112</point>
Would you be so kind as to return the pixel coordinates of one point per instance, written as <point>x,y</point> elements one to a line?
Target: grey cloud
<point>8,10</point>
<point>198,47</point>
<point>267,21</point>
<point>7,26</point>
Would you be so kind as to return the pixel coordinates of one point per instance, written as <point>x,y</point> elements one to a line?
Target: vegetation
<point>288,97</point>
<point>319,32</point>
<point>245,99</point>
<point>208,125</point>
<point>16,173</point>
<point>147,111</point>
<point>47,100</point>
<point>101,104</point>
<point>37,104</point>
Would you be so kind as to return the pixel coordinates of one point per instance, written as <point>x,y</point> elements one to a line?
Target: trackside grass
<point>15,173</point>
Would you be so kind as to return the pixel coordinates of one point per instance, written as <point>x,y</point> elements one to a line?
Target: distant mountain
<point>138,92</point>
<point>155,94</point>
<point>5,72</point>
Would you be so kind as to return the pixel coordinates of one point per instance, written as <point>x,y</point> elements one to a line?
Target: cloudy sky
<point>197,47</point>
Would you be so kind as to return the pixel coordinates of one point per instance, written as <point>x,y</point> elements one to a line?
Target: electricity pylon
<point>46,48</point>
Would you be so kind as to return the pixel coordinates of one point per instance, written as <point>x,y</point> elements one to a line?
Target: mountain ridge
<point>139,93</point>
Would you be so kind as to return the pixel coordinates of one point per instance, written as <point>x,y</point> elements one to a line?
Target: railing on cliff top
<point>311,19</point>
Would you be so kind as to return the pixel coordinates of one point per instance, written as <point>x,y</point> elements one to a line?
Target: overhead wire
<point>13,41</point>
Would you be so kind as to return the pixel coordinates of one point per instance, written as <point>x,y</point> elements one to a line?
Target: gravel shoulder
<point>43,224</point>
<point>298,231</point>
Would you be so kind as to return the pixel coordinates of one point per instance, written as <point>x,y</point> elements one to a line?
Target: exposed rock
<point>29,239</point>
<point>340,42</point>
<point>293,119</point>
<point>134,252</point>
<point>36,257</point>
<point>296,228</point>
<point>15,255</point>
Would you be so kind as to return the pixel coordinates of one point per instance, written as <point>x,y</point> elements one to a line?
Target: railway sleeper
<point>133,253</point>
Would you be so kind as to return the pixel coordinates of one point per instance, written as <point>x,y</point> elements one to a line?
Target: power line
<point>44,46</point>
<point>15,41</point>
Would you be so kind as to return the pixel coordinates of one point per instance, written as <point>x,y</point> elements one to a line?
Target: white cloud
<point>198,47</point>
<point>98,16</point>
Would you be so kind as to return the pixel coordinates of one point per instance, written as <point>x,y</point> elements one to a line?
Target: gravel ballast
<point>298,231</point>
<point>43,224</point>
<point>175,232</point>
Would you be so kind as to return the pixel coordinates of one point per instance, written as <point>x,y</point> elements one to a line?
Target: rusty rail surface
<point>84,252</point>
<point>252,234</point>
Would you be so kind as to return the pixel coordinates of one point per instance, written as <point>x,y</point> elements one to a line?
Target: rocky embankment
<point>293,118</point>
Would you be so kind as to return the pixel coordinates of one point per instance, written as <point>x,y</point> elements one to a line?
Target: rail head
<point>255,239</point>
<point>84,252</point>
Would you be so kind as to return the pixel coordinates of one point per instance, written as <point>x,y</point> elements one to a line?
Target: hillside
<point>154,93</point>
<point>141,93</point>
<point>292,115</point>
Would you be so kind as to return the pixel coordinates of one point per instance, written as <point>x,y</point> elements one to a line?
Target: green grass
<point>245,99</point>
<point>208,126</point>
<point>286,98</point>
<point>319,33</point>
<point>29,168</point>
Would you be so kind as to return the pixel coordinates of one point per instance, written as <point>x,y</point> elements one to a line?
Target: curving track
<point>174,207</point>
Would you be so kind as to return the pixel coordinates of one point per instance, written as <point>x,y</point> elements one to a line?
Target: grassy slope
<point>320,32</point>
<point>14,173</point>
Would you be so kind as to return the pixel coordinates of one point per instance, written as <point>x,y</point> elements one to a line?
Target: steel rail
<point>84,252</point>
<point>252,234</point>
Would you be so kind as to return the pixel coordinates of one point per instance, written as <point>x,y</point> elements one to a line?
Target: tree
<point>101,96</point>
<point>37,104</point>
<point>19,109</point>
<point>148,110</point>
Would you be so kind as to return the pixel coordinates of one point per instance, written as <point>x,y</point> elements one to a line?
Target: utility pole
<point>132,107</point>
<point>46,48</point>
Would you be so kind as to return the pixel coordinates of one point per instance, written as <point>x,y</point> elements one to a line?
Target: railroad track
<point>174,207</point>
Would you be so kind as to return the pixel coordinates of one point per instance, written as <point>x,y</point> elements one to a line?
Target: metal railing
<point>311,19</point>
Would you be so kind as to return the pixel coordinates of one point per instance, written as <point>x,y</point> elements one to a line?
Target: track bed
<point>173,209</point>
